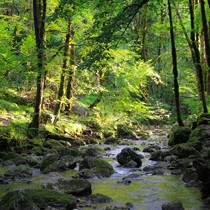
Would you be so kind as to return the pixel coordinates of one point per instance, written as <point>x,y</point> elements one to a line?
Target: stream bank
<point>138,188</point>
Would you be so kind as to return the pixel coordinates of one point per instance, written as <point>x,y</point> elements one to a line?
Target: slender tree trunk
<point>197,66</point>
<point>71,73</point>
<point>197,57</point>
<point>39,11</point>
<point>175,71</point>
<point>66,61</point>
<point>159,59</point>
<point>207,43</point>
<point>144,35</point>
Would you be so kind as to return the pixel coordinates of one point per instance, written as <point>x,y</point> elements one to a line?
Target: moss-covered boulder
<point>48,160</point>
<point>127,155</point>
<point>99,198</point>
<point>53,144</point>
<point>77,187</point>
<point>52,162</point>
<point>17,200</point>
<point>183,150</point>
<point>19,172</point>
<point>123,131</point>
<point>200,133</point>
<point>203,119</point>
<point>180,134</point>
<point>91,151</point>
<point>112,140</point>
<point>100,167</point>
<point>173,205</point>
<point>37,199</point>
<point>17,159</point>
<point>85,174</point>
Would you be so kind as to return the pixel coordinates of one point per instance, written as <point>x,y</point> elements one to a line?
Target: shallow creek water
<point>145,191</point>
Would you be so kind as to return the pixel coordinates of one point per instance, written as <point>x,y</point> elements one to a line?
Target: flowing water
<point>144,190</point>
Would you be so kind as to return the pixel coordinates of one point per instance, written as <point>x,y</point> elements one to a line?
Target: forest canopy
<point>107,61</point>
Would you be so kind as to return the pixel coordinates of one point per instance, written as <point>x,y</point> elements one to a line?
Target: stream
<point>139,187</point>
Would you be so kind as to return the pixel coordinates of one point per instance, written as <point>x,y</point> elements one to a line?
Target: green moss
<point>34,198</point>
<point>183,150</point>
<point>179,135</point>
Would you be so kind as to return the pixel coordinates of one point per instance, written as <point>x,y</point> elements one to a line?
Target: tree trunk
<point>197,57</point>
<point>206,38</point>
<point>71,73</point>
<point>175,71</point>
<point>39,11</point>
<point>65,68</point>
<point>197,66</point>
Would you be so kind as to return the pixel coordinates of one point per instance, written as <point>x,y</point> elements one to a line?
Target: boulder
<point>19,172</point>
<point>183,150</point>
<point>17,159</point>
<point>48,160</point>
<point>85,174</point>
<point>200,133</point>
<point>52,162</point>
<point>100,167</point>
<point>99,198</point>
<point>77,187</point>
<point>37,199</point>
<point>180,134</point>
<point>112,140</point>
<point>127,155</point>
<point>190,176</point>
<point>173,205</point>
<point>123,131</point>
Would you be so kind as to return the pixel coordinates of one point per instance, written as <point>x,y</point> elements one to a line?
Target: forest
<point>82,73</point>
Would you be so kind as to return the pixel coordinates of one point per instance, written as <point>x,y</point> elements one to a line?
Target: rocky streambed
<point>91,177</point>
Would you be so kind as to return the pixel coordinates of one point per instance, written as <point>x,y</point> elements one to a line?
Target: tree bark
<point>197,57</point>
<point>197,66</point>
<point>206,39</point>
<point>66,60</point>
<point>39,12</point>
<point>175,70</point>
<point>71,73</point>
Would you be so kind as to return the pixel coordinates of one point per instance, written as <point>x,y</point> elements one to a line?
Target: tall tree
<point>197,55</point>
<point>66,60</point>
<point>207,41</point>
<point>39,12</point>
<point>71,72</point>
<point>175,70</point>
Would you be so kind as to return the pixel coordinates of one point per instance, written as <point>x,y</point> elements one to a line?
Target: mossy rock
<point>99,198</point>
<point>39,151</point>
<point>195,144</point>
<point>100,167</point>
<point>53,162</point>
<point>91,141</point>
<point>53,144</point>
<point>18,172</point>
<point>85,174</point>
<point>124,131</point>
<point>112,140</point>
<point>17,159</point>
<point>48,160</point>
<point>77,187</point>
<point>92,151</point>
<point>200,133</point>
<point>127,155</point>
<point>173,205</point>
<point>204,119</point>
<point>17,200</point>
<point>180,134</point>
<point>37,199</point>
<point>183,150</point>
<point>70,151</point>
